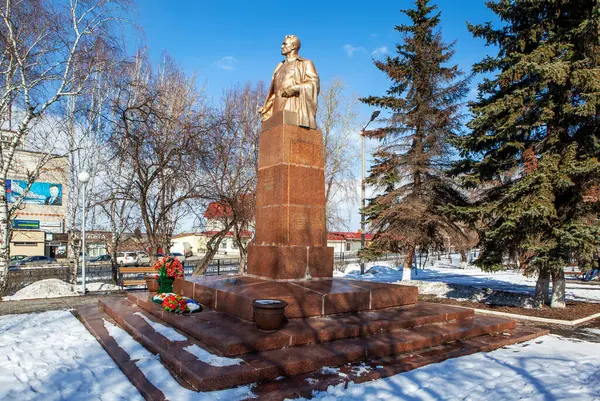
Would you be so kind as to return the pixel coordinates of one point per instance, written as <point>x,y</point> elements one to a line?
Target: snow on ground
<point>55,288</point>
<point>548,368</point>
<point>445,279</point>
<point>160,377</point>
<point>51,356</point>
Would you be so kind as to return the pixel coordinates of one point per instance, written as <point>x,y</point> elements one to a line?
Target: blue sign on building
<point>40,193</point>
<point>26,224</point>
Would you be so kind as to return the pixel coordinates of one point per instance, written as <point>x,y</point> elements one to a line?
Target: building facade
<point>39,222</point>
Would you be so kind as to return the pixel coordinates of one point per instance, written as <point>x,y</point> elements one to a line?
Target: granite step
<point>303,385</point>
<point>270,364</point>
<point>233,336</point>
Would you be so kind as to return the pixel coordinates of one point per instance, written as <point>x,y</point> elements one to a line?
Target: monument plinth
<point>290,241</point>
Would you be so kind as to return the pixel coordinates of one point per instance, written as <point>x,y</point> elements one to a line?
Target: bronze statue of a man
<point>294,87</point>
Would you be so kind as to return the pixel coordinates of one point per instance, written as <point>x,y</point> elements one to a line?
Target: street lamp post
<point>362,188</point>
<point>84,178</point>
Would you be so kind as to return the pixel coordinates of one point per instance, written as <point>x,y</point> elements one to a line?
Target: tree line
<point>518,165</point>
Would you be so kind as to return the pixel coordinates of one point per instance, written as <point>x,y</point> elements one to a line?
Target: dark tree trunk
<point>463,258</point>
<point>202,265</point>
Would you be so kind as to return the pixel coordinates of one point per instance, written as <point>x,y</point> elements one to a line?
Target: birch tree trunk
<point>4,238</point>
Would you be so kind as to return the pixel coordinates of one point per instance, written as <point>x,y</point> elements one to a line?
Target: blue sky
<point>226,42</point>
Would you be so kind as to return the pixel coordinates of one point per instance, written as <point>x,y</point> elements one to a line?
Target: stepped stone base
<point>393,340</point>
<point>234,295</point>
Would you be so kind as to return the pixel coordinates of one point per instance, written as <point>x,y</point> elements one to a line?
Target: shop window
<point>224,244</point>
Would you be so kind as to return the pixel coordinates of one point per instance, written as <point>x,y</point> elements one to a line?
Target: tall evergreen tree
<point>534,143</point>
<point>408,169</point>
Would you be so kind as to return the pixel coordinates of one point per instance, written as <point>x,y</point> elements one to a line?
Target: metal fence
<point>102,273</point>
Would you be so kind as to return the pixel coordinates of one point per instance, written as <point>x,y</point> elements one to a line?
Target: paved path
<point>47,304</point>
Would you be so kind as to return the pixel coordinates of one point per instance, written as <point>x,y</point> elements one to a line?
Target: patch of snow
<point>55,288</point>
<point>361,369</point>
<point>327,370</point>
<point>51,356</point>
<point>212,359</point>
<point>160,377</point>
<point>519,371</point>
<point>592,331</point>
<point>311,381</point>
<point>267,301</point>
<point>168,332</point>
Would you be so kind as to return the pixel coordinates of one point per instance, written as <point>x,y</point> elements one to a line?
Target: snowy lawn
<point>548,368</point>
<point>51,356</point>
<point>442,272</point>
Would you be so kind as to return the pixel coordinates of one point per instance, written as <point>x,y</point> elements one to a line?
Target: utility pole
<point>362,189</point>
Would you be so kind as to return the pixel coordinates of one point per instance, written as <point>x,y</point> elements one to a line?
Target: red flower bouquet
<point>168,269</point>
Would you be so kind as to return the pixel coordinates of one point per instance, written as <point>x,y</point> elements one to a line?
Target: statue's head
<point>290,45</point>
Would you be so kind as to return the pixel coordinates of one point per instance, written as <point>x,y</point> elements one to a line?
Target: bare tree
<point>120,211</point>
<point>160,122</point>
<point>48,52</point>
<point>338,121</point>
<point>229,165</point>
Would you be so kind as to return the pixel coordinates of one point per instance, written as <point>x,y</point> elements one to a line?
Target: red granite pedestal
<point>290,241</point>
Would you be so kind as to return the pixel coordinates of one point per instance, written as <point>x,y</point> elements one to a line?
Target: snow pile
<point>55,288</point>
<point>160,377</point>
<point>51,356</point>
<point>548,368</point>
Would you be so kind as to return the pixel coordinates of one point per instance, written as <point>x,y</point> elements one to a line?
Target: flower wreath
<point>176,303</point>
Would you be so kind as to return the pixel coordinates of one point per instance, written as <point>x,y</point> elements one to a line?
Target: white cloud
<point>350,50</point>
<point>380,51</point>
<point>227,63</point>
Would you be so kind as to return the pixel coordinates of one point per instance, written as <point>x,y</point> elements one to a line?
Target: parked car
<point>15,258</point>
<point>143,258</point>
<point>127,259</point>
<point>35,260</point>
<point>99,259</point>
<point>178,255</point>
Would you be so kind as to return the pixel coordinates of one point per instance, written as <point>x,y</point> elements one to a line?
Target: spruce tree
<point>407,173</point>
<point>534,142</point>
